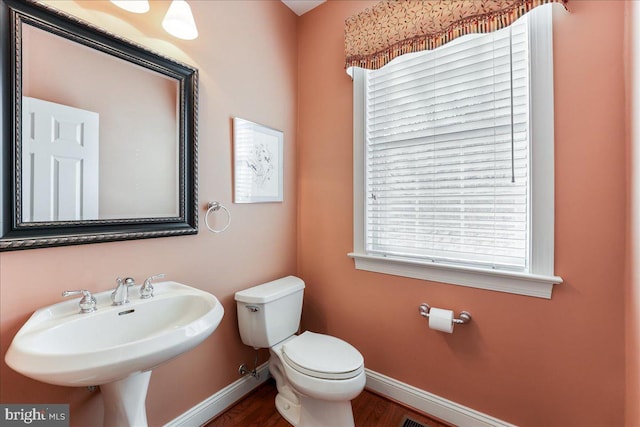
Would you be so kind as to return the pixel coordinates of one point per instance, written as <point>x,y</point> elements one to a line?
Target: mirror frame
<point>15,234</point>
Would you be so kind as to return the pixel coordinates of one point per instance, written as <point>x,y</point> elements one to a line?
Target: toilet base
<point>323,413</point>
<point>290,411</point>
<point>315,413</point>
<point>287,402</point>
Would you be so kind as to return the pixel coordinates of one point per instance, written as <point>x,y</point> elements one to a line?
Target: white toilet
<point>317,375</point>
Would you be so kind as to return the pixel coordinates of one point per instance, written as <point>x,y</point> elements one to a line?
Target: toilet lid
<point>323,356</point>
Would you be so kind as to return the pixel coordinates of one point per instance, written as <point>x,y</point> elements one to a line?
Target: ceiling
<point>301,7</point>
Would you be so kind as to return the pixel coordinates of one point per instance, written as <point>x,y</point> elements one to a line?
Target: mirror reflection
<point>100,135</point>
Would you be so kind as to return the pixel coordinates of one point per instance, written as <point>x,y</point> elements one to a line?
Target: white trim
<point>429,403</point>
<point>359,193</point>
<point>533,285</point>
<point>542,141</point>
<point>220,401</point>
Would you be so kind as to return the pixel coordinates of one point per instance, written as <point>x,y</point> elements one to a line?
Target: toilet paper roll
<point>441,320</point>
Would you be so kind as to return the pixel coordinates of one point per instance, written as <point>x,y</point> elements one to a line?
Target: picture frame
<point>258,162</point>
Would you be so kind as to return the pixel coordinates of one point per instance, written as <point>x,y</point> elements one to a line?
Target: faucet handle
<point>87,302</point>
<point>146,290</point>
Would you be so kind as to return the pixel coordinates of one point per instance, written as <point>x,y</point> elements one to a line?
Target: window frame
<point>539,281</point>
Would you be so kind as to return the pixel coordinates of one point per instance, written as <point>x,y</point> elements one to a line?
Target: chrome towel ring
<point>214,207</point>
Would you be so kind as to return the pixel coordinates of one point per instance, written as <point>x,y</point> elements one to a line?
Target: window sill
<point>533,285</point>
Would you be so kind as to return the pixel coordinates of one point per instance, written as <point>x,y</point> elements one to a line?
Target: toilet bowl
<point>323,385</point>
<point>317,375</point>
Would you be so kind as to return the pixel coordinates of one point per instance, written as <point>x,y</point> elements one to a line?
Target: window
<point>453,162</point>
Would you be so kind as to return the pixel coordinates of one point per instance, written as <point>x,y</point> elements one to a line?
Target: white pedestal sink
<point>115,347</point>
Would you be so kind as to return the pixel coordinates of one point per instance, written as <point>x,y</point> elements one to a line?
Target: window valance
<point>394,27</point>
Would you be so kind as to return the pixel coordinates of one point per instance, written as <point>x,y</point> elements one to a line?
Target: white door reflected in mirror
<point>60,158</point>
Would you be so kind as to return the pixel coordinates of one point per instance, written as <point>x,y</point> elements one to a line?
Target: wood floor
<point>369,410</point>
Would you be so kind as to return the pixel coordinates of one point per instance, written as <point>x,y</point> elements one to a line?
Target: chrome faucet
<point>121,294</point>
<point>146,290</point>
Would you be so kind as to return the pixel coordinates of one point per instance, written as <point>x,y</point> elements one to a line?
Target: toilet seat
<point>322,356</point>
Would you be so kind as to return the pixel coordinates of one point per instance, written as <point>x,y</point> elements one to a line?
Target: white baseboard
<point>220,401</point>
<point>429,403</point>
<point>413,397</point>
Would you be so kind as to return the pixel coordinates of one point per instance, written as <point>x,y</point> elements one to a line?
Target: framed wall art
<point>258,162</point>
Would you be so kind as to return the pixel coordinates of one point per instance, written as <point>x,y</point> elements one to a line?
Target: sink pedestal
<point>124,401</point>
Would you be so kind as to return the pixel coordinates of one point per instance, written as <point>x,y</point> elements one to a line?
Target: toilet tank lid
<point>270,291</point>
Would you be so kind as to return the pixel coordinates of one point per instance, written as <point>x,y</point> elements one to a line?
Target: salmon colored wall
<point>632,412</point>
<point>528,361</point>
<point>246,54</point>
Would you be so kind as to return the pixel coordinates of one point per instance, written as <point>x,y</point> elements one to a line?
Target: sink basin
<point>59,345</point>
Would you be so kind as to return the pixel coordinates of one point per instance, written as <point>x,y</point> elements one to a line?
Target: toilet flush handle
<point>253,308</point>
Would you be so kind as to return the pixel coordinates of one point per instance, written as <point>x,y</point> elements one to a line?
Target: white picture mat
<point>258,162</point>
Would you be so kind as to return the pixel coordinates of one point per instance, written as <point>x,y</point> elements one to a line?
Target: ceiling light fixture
<point>135,6</point>
<point>179,21</point>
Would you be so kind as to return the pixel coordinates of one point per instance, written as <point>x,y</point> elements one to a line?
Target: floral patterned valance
<point>394,27</point>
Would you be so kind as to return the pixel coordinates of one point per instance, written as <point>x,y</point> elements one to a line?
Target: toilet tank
<point>270,313</point>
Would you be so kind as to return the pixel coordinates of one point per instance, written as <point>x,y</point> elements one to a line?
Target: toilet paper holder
<point>464,317</point>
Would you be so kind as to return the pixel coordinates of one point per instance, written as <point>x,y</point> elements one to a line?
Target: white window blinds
<point>447,153</point>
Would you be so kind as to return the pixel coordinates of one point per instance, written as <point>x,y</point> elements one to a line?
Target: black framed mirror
<point>99,135</point>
